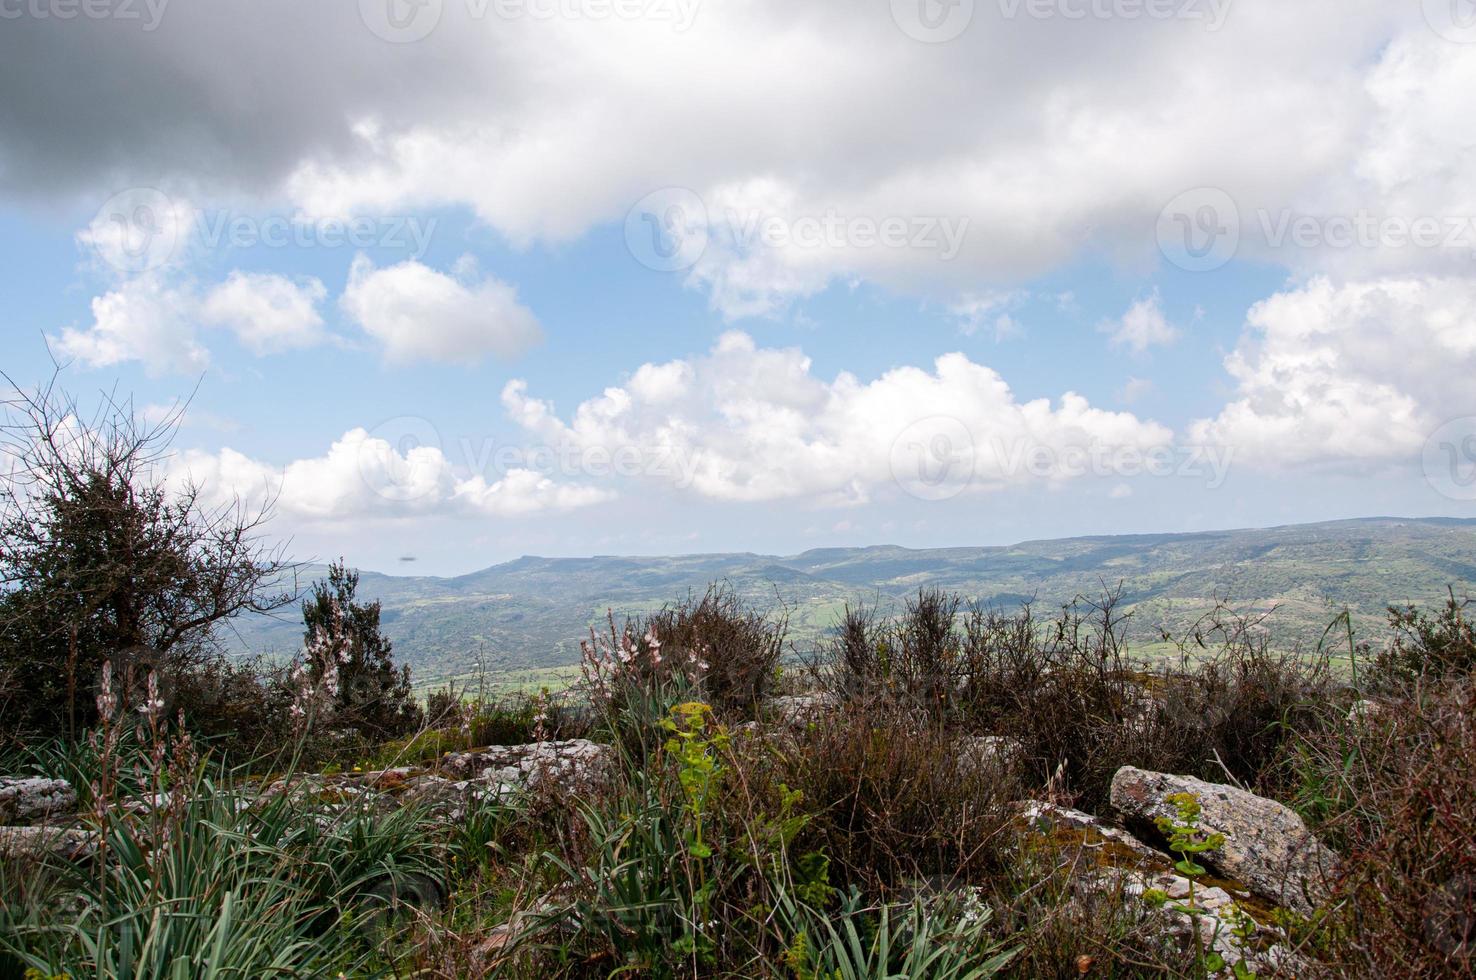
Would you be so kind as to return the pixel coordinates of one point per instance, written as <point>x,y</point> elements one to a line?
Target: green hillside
<point>530,613</point>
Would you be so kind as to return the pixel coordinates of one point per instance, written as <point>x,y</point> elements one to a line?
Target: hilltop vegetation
<point>532,612</point>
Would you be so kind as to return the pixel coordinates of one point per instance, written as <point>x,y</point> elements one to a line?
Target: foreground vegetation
<point>850,843</point>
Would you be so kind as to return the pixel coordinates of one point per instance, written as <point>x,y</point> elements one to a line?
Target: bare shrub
<point>891,799</point>
<point>1066,691</point>
<point>740,645</point>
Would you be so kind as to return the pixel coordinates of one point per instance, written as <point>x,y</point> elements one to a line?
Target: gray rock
<point>69,844</point>
<point>1094,832</point>
<point>1267,846</point>
<point>1366,712</point>
<point>799,710</point>
<point>571,764</point>
<point>989,751</point>
<point>35,799</point>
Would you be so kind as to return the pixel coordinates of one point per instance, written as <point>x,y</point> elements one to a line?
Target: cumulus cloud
<point>1142,326</point>
<point>364,476</point>
<point>268,313</point>
<point>1358,372</point>
<point>754,424</point>
<point>153,318</point>
<point>144,320</point>
<point>1052,137</point>
<point>417,313</point>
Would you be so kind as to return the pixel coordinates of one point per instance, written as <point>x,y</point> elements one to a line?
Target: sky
<point>454,281</point>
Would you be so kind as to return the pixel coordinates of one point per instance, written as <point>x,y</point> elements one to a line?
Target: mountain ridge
<point>530,612</point>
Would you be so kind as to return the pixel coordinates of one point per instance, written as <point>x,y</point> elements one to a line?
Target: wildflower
<point>153,705</point>
<point>107,698</point>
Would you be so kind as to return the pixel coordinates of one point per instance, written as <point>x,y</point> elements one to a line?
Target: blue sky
<point>999,369</point>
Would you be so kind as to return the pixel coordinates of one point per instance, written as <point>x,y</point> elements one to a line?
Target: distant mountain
<point>531,612</point>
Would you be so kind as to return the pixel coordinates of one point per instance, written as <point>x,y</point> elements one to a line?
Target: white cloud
<point>362,476</point>
<point>153,318</point>
<point>1134,389</point>
<point>268,313</point>
<point>990,310</point>
<point>1053,137</point>
<point>1357,372</point>
<point>416,313</point>
<point>1142,326</point>
<point>144,319</point>
<point>756,424</point>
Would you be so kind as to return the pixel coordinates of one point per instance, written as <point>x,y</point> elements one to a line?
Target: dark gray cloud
<point>220,95</point>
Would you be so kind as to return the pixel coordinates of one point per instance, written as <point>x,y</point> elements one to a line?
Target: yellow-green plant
<point>696,742</point>
<point>1188,840</point>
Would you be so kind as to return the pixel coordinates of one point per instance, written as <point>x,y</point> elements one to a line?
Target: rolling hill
<point>531,612</point>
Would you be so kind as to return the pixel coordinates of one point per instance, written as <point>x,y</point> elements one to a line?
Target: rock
<point>571,765</point>
<point>1366,711</point>
<point>35,799</point>
<point>799,710</point>
<point>446,799</point>
<point>1267,846</point>
<point>990,751</point>
<point>38,842</point>
<point>1119,848</point>
<point>1108,863</point>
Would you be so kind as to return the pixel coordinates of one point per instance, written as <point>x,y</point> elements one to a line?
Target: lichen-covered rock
<point>35,799</point>
<point>572,764</point>
<point>67,843</point>
<point>1267,846</point>
<point>977,752</point>
<point>1061,823</point>
<point>1106,862</point>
